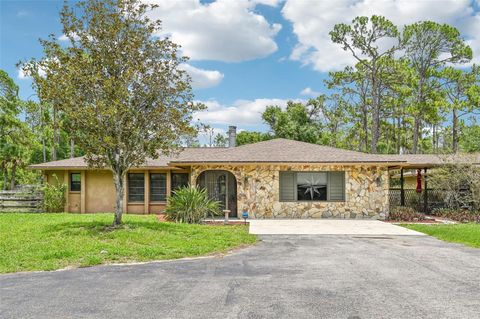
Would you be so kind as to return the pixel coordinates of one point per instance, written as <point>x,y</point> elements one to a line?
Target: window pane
<point>287,186</point>
<point>337,186</point>
<point>179,180</point>
<point>312,186</point>
<point>158,187</point>
<point>136,187</point>
<point>75,182</point>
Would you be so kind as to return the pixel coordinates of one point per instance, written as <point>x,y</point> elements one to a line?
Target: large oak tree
<point>118,84</point>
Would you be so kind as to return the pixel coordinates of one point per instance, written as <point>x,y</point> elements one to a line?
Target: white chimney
<point>232,136</point>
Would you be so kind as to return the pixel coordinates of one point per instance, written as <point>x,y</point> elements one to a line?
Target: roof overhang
<point>83,168</point>
<point>239,163</point>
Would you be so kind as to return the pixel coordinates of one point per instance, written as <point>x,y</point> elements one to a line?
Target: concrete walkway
<point>327,227</point>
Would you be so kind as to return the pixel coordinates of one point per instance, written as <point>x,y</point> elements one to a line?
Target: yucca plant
<point>191,205</point>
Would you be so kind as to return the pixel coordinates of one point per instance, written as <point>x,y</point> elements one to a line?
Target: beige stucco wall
<point>98,192</point>
<point>366,191</point>
<point>50,178</point>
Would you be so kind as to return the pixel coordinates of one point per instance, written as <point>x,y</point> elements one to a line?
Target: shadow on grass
<point>95,228</point>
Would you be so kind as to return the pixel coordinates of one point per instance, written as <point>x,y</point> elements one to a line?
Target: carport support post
<point>402,189</point>
<point>425,193</point>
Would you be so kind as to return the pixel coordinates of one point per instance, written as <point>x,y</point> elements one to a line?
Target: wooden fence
<point>26,199</point>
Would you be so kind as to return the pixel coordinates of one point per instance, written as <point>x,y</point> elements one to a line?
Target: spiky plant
<point>191,205</point>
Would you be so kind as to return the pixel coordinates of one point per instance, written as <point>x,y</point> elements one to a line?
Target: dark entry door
<point>221,186</point>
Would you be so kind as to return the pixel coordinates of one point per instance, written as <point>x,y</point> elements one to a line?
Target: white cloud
<point>309,92</point>
<point>241,112</point>
<point>22,76</point>
<point>224,30</point>
<point>22,13</point>
<point>313,20</point>
<point>64,37</point>
<point>201,78</point>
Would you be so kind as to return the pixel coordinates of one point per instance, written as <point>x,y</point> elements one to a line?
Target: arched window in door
<point>221,186</point>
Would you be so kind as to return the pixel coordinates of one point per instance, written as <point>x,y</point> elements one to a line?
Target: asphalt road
<point>288,276</point>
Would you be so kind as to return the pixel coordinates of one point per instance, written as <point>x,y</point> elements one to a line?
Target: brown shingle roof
<point>282,151</point>
<point>273,151</point>
<point>419,160</point>
<point>161,162</point>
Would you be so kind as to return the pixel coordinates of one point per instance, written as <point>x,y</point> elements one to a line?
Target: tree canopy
<point>119,86</point>
<point>409,91</point>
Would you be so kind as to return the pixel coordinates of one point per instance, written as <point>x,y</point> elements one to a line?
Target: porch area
<point>409,187</point>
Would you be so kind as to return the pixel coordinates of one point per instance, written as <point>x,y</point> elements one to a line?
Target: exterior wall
<point>50,178</point>
<point>366,191</point>
<point>97,193</point>
<point>74,202</point>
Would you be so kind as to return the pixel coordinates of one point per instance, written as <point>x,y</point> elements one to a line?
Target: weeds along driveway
<point>284,276</point>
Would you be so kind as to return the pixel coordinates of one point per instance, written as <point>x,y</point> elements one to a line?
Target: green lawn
<point>54,241</point>
<point>468,234</point>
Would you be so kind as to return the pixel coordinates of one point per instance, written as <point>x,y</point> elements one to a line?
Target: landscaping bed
<point>54,241</point>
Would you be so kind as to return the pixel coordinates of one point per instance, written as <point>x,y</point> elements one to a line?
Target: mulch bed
<point>162,218</point>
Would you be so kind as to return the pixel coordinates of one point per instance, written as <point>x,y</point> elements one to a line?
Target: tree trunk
<point>399,136</point>
<point>454,130</point>
<point>418,116</point>
<point>416,133</point>
<point>5,178</point>
<point>72,148</point>
<point>119,190</point>
<point>375,129</point>
<point>13,176</point>
<point>55,136</point>
<point>44,150</point>
<point>365,128</point>
<point>375,115</point>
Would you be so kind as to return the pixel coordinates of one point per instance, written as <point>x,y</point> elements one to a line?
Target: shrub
<point>54,197</point>
<point>460,184</point>
<point>461,215</point>
<point>406,214</point>
<point>191,205</point>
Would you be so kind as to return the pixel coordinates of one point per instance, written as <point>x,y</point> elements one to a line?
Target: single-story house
<point>278,178</point>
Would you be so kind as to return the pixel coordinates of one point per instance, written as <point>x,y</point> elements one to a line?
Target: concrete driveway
<point>327,227</point>
<point>284,276</point>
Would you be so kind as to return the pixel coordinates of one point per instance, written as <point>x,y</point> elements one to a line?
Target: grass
<point>467,234</point>
<point>54,241</point>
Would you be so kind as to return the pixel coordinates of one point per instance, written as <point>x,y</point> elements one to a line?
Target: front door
<point>221,186</point>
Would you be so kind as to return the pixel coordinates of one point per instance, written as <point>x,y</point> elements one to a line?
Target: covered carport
<point>422,198</point>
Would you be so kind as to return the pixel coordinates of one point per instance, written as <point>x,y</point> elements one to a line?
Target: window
<point>312,186</point>
<point>158,187</point>
<point>136,187</point>
<point>75,182</point>
<point>179,180</point>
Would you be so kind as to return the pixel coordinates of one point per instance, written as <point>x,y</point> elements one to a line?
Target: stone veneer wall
<point>366,191</point>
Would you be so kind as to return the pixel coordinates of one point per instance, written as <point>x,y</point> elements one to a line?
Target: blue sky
<point>244,54</point>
